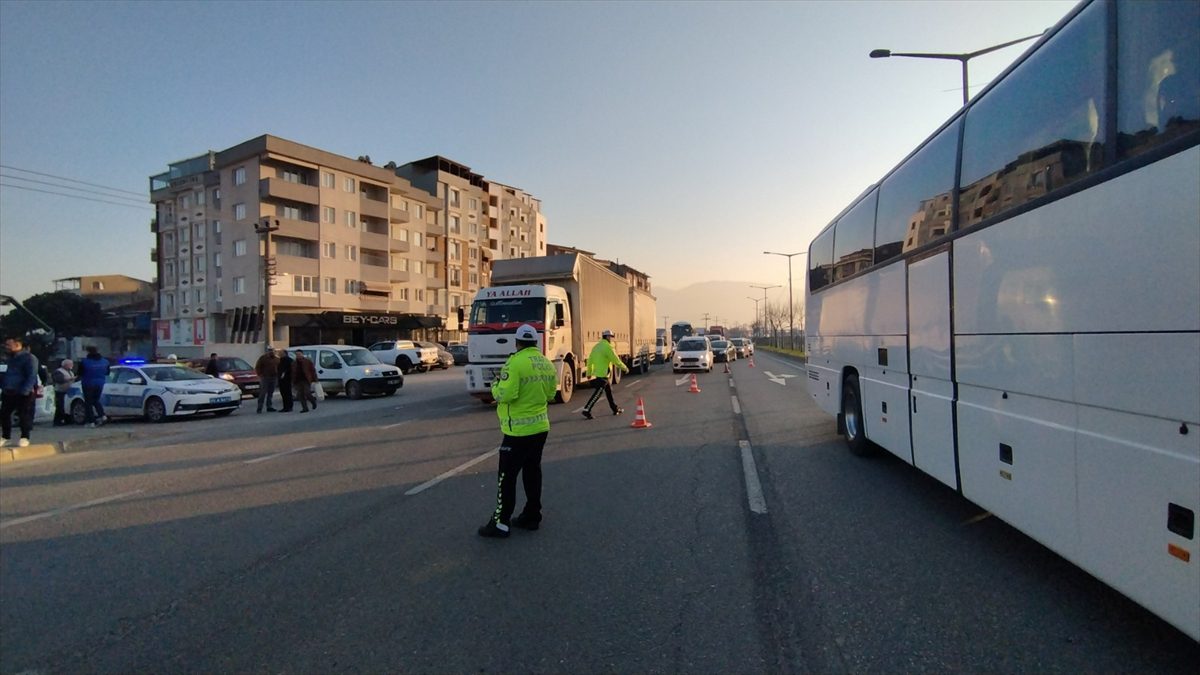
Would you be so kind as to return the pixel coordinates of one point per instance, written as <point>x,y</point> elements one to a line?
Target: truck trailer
<point>571,299</point>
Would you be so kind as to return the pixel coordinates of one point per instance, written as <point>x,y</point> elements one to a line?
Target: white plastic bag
<point>318,391</point>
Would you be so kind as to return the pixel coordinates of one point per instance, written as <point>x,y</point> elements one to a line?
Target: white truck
<point>406,355</point>
<point>570,299</point>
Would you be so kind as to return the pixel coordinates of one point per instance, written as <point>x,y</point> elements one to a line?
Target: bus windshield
<point>507,314</point>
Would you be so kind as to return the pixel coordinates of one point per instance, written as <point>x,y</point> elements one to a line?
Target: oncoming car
<point>692,353</point>
<point>744,347</point>
<point>723,350</point>
<point>157,391</point>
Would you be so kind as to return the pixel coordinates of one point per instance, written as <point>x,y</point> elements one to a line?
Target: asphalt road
<point>343,540</point>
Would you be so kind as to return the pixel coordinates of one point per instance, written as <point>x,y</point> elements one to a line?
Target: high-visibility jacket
<point>526,383</point>
<point>601,358</point>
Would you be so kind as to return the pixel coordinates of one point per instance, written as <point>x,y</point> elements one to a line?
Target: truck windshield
<point>506,314</point>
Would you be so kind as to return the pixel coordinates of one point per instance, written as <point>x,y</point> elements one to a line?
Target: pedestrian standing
<point>93,373</point>
<point>600,363</point>
<point>212,368</point>
<point>267,368</point>
<point>522,390</point>
<point>63,379</point>
<point>285,380</point>
<point>18,391</point>
<point>303,376</point>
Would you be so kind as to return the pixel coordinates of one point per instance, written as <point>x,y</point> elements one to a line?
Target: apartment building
<point>357,252</point>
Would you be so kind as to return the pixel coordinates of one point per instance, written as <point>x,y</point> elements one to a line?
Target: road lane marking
<point>634,383</point>
<point>458,469</point>
<point>754,493</point>
<point>463,407</point>
<point>393,426</point>
<point>278,454</point>
<point>780,379</point>
<point>737,408</point>
<point>683,380</point>
<point>67,509</point>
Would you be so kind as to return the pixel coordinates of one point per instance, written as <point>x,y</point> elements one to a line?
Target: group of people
<point>295,377</point>
<point>22,385</point>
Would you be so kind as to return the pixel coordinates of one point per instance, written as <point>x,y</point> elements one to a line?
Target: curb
<point>37,451</point>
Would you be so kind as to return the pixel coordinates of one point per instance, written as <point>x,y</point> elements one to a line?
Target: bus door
<point>931,400</point>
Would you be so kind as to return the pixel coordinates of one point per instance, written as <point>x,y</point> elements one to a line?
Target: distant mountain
<point>726,302</point>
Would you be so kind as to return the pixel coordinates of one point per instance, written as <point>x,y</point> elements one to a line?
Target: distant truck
<point>570,299</point>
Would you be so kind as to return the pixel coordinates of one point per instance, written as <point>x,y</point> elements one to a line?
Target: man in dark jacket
<point>285,380</point>
<point>212,368</point>
<point>304,373</point>
<point>267,368</point>
<point>93,373</point>
<point>19,391</point>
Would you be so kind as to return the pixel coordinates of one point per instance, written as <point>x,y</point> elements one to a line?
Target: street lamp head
<point>880,53</point>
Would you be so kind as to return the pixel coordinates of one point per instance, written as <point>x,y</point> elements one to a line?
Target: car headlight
<point>226,376</point>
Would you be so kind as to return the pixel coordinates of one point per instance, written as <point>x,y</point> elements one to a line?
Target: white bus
<point>1015,308</point>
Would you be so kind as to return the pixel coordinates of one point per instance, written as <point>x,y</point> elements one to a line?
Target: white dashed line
<point>67,509</point>
<point>754,493</point>
<point>461,467</point>
<point>278,454</point>
<point>737,408</point>
<point>397,424</point>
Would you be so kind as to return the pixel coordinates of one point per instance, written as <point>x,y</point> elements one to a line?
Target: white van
<point>351,370</point>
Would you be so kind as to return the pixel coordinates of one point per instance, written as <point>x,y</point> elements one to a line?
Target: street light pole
<point>265,228</point>
<point>764,301</point>
<point>791,303</point>
<point>755,301</point>
<point>961,58</point>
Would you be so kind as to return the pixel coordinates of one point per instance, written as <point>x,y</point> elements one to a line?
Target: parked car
<point>459,352</point>
<point>157,391</point>
<point>723,350</point>
<point>692,353</point>
<point>405,355</point>
<point>743,346</point>
<point>233,369</point>
<point>351,370</point>
<point>445,358</point>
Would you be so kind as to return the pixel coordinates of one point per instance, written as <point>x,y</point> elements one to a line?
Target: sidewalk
<point>47,440</point>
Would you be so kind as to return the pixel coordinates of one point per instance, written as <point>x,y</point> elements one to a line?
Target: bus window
<point>915,201</point>
<point>852,243</point>
<point>1040,128</point>
<point>820,261</point>
<point>1158,73</point>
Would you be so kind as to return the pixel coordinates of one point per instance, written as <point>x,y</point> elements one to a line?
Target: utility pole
<point>265,228</point>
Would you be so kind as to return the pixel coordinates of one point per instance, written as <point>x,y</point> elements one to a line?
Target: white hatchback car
<point>693,353</point>
<point>157,391</point>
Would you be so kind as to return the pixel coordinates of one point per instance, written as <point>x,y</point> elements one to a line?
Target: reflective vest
<point>601,358</point>
<point>526,383</point>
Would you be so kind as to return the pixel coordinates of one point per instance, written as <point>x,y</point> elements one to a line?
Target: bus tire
<point>852,418</point>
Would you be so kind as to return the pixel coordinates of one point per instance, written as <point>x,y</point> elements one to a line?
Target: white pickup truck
<point>406,354</point>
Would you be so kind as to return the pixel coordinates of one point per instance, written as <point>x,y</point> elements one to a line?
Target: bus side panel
<point>1017,460</point>
<point>929,360</point>
<point>824,377</point>
<point>885,395</point>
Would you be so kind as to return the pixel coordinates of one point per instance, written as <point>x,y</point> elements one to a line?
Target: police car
<point>157,391</point>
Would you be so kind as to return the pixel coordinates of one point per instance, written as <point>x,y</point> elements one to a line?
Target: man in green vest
<point>600,363</point>
<point>522,390</point>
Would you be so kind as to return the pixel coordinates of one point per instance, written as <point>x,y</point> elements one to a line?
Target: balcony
<point>373,208</point>
<point>433,228</point>
<point>300,229</point>
<point>399,246</point>
<point>374,240</point>
<point>400,276</point>
<point>433,256</point>
<point>376,275</point>
<point>398,215</point>
<point>277,188</point>
<point>154,255</point>
<point>435,281</point>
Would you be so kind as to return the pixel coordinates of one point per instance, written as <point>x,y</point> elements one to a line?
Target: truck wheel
<point>852,418</point>
<point>567,386</point>
<point>353,390</point>
<point>404,364</point>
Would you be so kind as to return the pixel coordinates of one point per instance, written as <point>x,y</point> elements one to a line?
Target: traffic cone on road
<point>639,420</point>
<point>695,388</point>
<point>751,360</point>
<point>727,370</point>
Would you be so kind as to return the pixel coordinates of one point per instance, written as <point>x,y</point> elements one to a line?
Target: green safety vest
<point>527,382</point>
<point>601,358</point>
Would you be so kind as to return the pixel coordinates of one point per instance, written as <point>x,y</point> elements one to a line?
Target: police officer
<point>600,362</point>
<point>526,383</point>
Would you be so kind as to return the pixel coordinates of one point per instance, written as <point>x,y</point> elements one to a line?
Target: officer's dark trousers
<point>520,455</point>
<point>602,387</point>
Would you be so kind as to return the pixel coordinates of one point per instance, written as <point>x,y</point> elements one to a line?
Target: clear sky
<point>682,138</point>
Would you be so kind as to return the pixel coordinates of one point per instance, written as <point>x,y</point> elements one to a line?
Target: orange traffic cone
<point>751,360</point>
<point>695,388</point>
<point>727,367</point>
<point>639,420</point>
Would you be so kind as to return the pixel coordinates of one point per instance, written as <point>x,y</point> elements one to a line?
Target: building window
<point>326,179</point>
<point>418,239</point>
<point>418,211</point>
<point>185,237</point>
<point>352,287</point>
<point>348,185</point>
<point>351,219</point>
<point>328,215</point>
<point>455,225</point>
<point>217,227</point>
<point>351,252</point>
<point>398,203</point>
<point>185,267</point>
<point>456,276</point>
<point>239,175</point>
<point>418,267</point>
<point>453,197</point>
<point>402,294</point>
<point>168,303</point>
<point>420,295</point>
<point>169,242</point>
<point>474,278</point>
<point>200,296</point>
<point>200,263</point>
<point>216,198</point>
<point>473,203</point>
<point>239,211</point>
<point>400,234</point>
<point>239,285</point>
<point>329,285</point>
<point>328,249</point>
<point>302,284</point>
<point>198,232</point>
<point>291,213</point>
<point>216,260</point>
<point>455,250</point>
<point>239,248</point>
<point>400,263</point>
